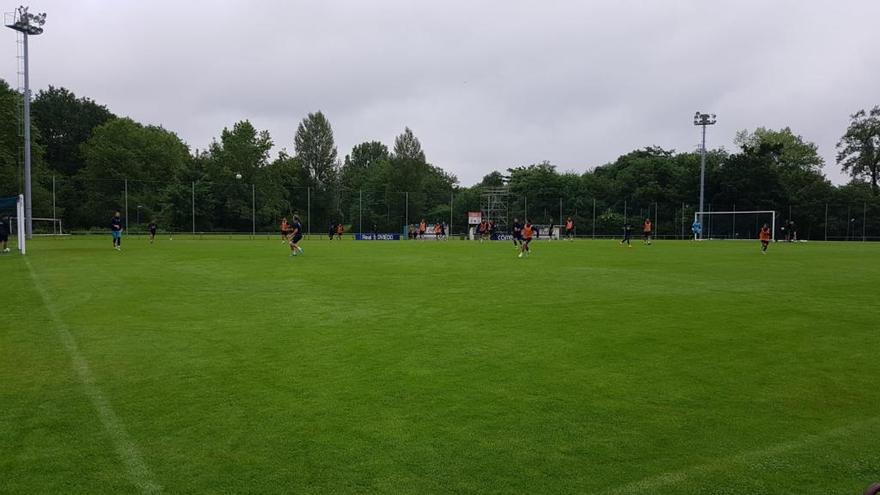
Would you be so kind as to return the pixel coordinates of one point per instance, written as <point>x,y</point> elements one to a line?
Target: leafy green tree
<point>858,152</point>
<point>65,123</point>
<point>316,150</point>
<point>408,147</point>
<point>148,157</point>
<point>11,155</point>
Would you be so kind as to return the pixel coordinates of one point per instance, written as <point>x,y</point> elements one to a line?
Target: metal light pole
<point>703,120</point>
<point>28,25</point>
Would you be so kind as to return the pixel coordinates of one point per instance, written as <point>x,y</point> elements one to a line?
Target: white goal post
<point>19,213</point>
<point>715,224</point>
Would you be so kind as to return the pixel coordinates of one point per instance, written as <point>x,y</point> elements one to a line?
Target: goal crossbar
<point>772,213</point>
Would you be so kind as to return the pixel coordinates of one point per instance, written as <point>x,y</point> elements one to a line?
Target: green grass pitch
<point>224,366</point>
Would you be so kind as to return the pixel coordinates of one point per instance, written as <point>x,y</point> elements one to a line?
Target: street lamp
<point>28,25</point>
<point>703,120</point>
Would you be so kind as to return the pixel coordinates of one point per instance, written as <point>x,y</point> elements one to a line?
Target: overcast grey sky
<point>485,85</point>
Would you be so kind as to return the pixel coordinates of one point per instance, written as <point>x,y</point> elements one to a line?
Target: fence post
<point>864,218</point>
<point>594,218</point>
<point>560,216</point>
<point>193,201</point>
<point>253,210</point>
<point>451,205</point>
<point>406,208</point>
<point>656,219</point>
<point>826,221</point>
<point>361,211</point>
<point>309,211</point>
<point>126,204</point>
<point>54,215</point>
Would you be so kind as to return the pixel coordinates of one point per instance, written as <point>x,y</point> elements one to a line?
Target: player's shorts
<point>117,234</point>
<point>4,237</point>
<point>296,238</point>
<point>152,231</point>
<point>569,231</point>
<point>765,243</point>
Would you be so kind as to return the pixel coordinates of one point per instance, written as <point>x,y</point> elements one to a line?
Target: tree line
<point>99,159</point>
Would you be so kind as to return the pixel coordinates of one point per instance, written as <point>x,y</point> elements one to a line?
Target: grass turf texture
<point>425,367</point>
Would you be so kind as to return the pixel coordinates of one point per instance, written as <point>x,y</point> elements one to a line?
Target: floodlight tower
<point>703,120</point>
<point>28,25</point>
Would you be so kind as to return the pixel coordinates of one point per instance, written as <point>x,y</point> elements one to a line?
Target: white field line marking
<point>649,485</point>
<point>138,472</point>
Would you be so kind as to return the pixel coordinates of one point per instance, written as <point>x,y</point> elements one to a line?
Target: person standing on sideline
<point>4,236</point>
<point>152,229</point>
<point>569,229</point>
<point>764,235</point>
<point>423,227</point>
<point>285,229</point>
<point>697,229</point>
<point>627,235</point>
<point>647,230</point>
<point>116,231</point>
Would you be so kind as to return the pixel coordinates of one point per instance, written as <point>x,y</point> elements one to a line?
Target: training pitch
<point>225,366</point>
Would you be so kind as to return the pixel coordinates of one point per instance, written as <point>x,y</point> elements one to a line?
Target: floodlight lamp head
<point>27,23</point>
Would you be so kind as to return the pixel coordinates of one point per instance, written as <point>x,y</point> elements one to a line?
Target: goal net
<point>734,224</point>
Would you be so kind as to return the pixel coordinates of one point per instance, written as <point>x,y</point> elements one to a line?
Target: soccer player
<point>295,236</point>
<point>517,233</point>
<point>116,231</point>
<point>569,229</point>
<point>152,229</point>
<point>285,229</point>
<point>483,228</point>
<point>331,230</point>
<point>437,231</point>
<point>627,235</point>
<point>443,230</point>
<point>696,228</point>
<point>765,236</point>
<point>339,231</point>
<point>647,229</point>
<point>4,236</point>
<point>423,227</point>
<point>550,230</point>
<point>527,233</point>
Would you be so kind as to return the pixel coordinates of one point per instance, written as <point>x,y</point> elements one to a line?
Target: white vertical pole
<point>826,221</point>
<point>253,210</point>
<point>864,218</point>
<point>361,211</point>
<point>21,235</point>
<point>594,218</point>
<point>451,199</point>
<point>54,215</point>
<point>194,206</point>
<point>28,195</point>
<point>774,226</point>
<point>126,204</point>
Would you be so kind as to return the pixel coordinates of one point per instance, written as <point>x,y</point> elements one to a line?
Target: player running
<point>423,227</point>
<point>339,231</point>
<point>569,229</point>
<point>647,230</point>
<point>517,233</point>
<point>765,236</point>
<point>527,233</point>
<point>152,229</point>
<point>116,231</point>
<point>295,236</point>
<point>627,235</point>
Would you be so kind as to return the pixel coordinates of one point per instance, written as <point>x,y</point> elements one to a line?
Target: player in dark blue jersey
<point>152,229</point>
<point>116,231</point>
<point>295,236</point>
<point>517,233</point>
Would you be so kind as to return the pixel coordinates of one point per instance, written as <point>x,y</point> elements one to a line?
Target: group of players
<point>292,233</point>
<point>419,231</point>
